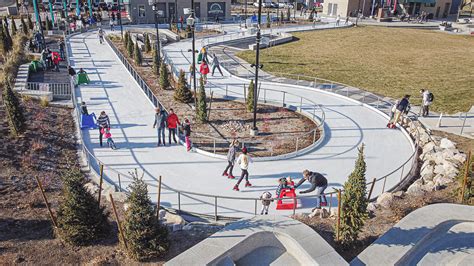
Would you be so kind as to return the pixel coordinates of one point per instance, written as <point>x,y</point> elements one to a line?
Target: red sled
<point>391,125</point>
<point>287,199</point>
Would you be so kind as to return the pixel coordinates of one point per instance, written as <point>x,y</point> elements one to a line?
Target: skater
<point>266,199</point>
<point>72,74</point>
<point>108,137</point>
<point>103,122</point>
<point>160,124</point>
<point>231,159</point>
<point>204,53</point>
<point>216,64</point>
<point>338,19</point>
<point>84,110</point>
<point>111,23</point>
<point>282,184</point>
<point>187,133</point>
<point>204,69</point>
<point>244,160</point>
<point>173,122</point>
<point>393,110</point>
<point>427,100</point>
<point>318,183</point>
<point>347,21</point>
<point>101,35</point>
<point>402,107</point>
<point>56,60</point>
<point>62,47</point>
<point>44,59</point>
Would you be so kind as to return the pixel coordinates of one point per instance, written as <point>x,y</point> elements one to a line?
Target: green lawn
<point>387,61</point>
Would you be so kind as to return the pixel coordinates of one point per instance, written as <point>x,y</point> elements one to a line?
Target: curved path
<point>348,125</point>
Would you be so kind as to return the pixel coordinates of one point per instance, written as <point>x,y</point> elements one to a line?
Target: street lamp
<point>119,16</point>
<point>154,3</point>
<point>257,65</point>
<point>191,21</point>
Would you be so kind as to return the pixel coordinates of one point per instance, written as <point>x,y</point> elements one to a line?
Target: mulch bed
<point>279,127</point>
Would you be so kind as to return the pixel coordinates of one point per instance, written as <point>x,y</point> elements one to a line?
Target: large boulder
<point>429,147</point>
<point>321,213</point>
<point>429,186</point>
<point>450,169</point>
<point>416,189</point>
<point>427,173</point>
<point>441,180</point>
<point>385,200</point>
<point>459,158</point>
<point>173,219</point>
<point>372,206</point>
<point>447,144</point>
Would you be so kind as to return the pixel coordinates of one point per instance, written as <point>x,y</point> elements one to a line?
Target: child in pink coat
<point>108,136</point>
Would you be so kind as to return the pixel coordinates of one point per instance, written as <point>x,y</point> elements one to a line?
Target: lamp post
<point>245,13</point>
<point>119,17</point>
<point>154,3</point>
<point>191,21</point>
<point>257,65</point>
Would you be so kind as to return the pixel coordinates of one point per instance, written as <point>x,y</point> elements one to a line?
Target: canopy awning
<point>418,1</point>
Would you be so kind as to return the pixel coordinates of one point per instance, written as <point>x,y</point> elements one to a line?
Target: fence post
<point>255,207</point>
<point>53,219</point>
<point>245,91</point>
<point>314,136</point>
<point>118,221</point>
<point>120,183</point>
<point>100,183</point>
<point>297,140</point>
<point>179,202</point>
<point>284,94</point>
<point>301,104</point>
<point>215,209</point>
<point>338,226</point>
<point>468,162</point>
<point>383,187</point>
<point>463,124</point>
<point>401,175</point>
<point>265,95</point>
<point>226,88</point>
<point>159,198</point>
<point>214,140</point>
<point>371,188</point>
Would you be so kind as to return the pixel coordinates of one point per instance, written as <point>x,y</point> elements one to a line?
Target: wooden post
<point>53,219</point>
<point>468,162</point>
<point>338,227</point>
<point>100,182</point>
<point>371,188</point>
<point>120,183</point>
<point>159,198</point>
<point>210,106</point>
<point>118,221</point>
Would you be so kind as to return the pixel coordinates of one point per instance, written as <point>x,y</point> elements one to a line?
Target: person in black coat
<point>318,182</point>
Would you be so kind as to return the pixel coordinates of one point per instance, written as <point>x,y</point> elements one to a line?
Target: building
<point>140,12</point>
<point>344,8</point>
<point>438,8</point>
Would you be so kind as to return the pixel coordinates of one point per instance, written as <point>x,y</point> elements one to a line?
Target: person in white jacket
<point>243,161</point>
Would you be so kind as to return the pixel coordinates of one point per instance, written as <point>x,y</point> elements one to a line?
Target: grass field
<point>387,61</point>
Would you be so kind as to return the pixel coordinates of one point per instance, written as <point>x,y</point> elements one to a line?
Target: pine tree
<point>281,16</point>
<point>354,202</point>
<point>201,110</point>
<point>8,39</point>
<point>288,14</point>
<point>31,26</point>
<point>137,56</point>
<point>130,47</point>
<point>250,97</point>
<point>156,64</point>
<point>3,42</point>
<point>164,77</point>
<point>126,39</point>
<point>146,236</point>
<point>47,24</point>
<point>182,92</point>
<point>147,43</point>
<point>80,219</point>
<point>268,19</point>
<point>16,120</point>
<point>24,28</point>
<point>14,28</point>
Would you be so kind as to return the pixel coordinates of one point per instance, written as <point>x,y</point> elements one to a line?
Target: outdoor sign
<point>187,11</point>
<point>216,9</point>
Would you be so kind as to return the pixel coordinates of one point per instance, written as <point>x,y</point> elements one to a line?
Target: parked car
<point>285,5</point>
<point>58,5</point>
<point>264,4</point>
<point>273,5</point>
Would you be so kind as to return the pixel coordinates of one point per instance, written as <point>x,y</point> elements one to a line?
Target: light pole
<point>245,13</point>
<point>119,17</point>
<point>191,21</point>
<point>257,65</point>
<point>154,3</point>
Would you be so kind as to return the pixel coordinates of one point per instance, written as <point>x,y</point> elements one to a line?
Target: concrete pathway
<point>348,124</point>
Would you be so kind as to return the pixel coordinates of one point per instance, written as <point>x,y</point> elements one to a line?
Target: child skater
<point>266,199</point>
<point>244,160</point>
<point>108,137</point>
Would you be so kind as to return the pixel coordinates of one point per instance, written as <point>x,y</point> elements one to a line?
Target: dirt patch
<point>282,131</point>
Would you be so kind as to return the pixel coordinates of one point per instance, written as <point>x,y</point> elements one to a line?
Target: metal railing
<point>94,163</point>
<point>59,90</point>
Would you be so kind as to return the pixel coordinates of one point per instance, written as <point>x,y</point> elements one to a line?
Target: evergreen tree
<point>47,24</point>
<point>164,77</point>
<point>5,20</point>
<point>8,39</point>
<point>31,26</point>
<point>250,96</point>
<point>268,19</point>
<point>146,236</point>
<point>3,42</point>
<point>24,28</point>
<point>182,92</point>
<point>201,110</point>
<point>126,37</point>
<point>354,202</point>
<point>156,64</point>
<point>147,43</point>
<point>16,120</point>
<point>137,56</point>
<point>130,47</point>
<point>288,14</point>
<point>281,17</point>
<point>14,28</point>
<point>80,219</point>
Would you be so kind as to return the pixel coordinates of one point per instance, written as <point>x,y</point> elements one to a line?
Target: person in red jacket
<point>204,69</point>
<point>173,122</point>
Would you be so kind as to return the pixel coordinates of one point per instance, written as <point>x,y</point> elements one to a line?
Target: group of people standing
<point>204,68</point>
<point>402,107</point>
<point>171,122</point>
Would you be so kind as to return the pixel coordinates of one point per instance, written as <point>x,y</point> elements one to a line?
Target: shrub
<point>250,97</point>
<point>8,41</point>
<point>80,218</point>
<point>288,14</point>
<point>164,77</point>
<point>146,237</point>
<point>182,92</point>
<point>44,102</point>
<point>147,43</point>
<point>354,202</point>
<point>137,55</point>
<point>201,110</point>
<point>130,47</point>
<point>126,39</point>
<point>4,45</point>
<point>268,19</point>
<point>156,63</point>
<point>24,28</point>
<point>16,120</point>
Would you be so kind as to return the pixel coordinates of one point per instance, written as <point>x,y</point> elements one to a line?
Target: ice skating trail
<point>113,90</point>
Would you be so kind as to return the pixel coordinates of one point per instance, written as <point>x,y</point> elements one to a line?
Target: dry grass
<point>387,61</point>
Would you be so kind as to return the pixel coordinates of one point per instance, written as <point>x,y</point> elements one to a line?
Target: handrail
<point>91,158</point>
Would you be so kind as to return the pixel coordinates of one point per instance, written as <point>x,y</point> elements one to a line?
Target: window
<point>430,4</point>
<point>141,11</point>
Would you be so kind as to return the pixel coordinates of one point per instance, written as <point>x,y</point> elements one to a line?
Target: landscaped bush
<point>201,110</point>
<point>130,47</point>
<point>137,55</point>
<point>156,63</point>
<point>354,202</point>
<point>164,77</point>
<point>147,43</point>
<point>80,219</point>
<point>250,97</point>
<point>182,92</point>
<point>146,237</point>
<point>15,117</point>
